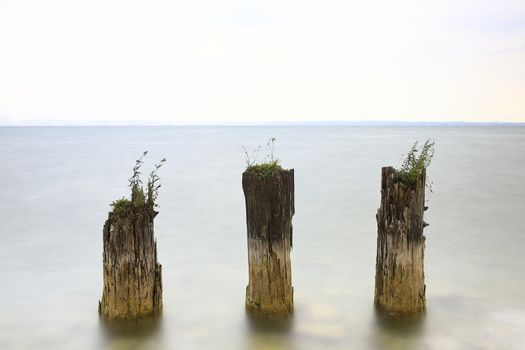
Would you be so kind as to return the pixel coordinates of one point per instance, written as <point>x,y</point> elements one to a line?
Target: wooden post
<point>269,211</point>
<point>400,277</point>
<point>132,276</point>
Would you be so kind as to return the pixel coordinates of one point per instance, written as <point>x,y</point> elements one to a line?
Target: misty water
<point>58,182</point>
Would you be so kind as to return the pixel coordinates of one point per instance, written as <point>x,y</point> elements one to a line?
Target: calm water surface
<point>57,184</point>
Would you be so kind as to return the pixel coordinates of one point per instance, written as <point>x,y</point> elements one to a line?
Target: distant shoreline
<point>266,124</point>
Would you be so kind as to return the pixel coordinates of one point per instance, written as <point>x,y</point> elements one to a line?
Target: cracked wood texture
<point>400,278</point>
<point>269,211</point>
<point>132,276</point>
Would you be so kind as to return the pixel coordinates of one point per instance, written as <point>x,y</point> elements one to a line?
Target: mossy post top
<point>267,170</point>
<point>393,175</point>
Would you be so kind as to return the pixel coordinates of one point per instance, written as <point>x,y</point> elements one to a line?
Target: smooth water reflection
<point>148,333</point>
<point>269,334</point>
<point>398,332</point>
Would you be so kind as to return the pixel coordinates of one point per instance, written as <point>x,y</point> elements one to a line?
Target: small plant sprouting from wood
<point>153,183</point>
<point>139,199</point>
<point>415,162</point>
<point>271,146</point>
<point>134,180</point>
<point>268,166</point>
<point>251,157</point>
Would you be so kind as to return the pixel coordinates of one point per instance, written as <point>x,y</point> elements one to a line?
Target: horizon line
<point>262,123</point>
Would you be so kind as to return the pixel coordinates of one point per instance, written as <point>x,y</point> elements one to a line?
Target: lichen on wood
<point>270,207</point>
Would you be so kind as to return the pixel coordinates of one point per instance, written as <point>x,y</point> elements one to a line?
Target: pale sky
<point>255,61</point>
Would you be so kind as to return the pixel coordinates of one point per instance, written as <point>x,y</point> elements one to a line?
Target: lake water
<point>57,183</point>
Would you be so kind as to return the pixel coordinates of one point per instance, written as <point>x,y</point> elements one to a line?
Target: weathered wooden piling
<point>269,197</point>
<point>400,277</point>
<point>132,276</point>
